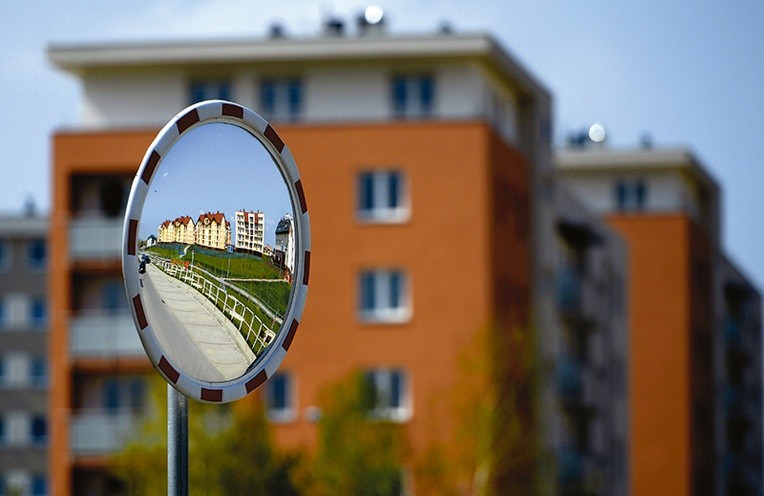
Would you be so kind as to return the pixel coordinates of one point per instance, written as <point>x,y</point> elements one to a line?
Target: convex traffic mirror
<point>216,251</point>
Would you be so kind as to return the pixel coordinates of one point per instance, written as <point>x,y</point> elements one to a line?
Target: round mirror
<point>216,251</point>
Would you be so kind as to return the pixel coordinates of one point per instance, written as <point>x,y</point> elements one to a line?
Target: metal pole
<point>177,443</point>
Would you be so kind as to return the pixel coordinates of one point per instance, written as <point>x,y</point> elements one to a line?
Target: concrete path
<point>192,331</point>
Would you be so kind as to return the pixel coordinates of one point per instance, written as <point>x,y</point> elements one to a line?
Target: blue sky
<point>216,167</point>
<point>690,74</point>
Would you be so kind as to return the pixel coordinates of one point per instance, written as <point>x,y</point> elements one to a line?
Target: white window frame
<point>289,412</point>
<point>379,210</point>
<point>211,89</point>
<point>382,310</point>
<point>382,379</point>
<point>282,99</point>
<point>414,106</point>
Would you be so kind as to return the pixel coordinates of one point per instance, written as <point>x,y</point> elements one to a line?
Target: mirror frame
<point>266,364</point>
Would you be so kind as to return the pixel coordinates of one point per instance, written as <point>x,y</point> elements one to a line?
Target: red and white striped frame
<point>267,363</point>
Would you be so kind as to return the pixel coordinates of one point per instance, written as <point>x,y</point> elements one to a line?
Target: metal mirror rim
<point>266,364</point>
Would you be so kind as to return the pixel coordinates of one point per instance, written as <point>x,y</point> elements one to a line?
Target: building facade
<point>23,355</point>
<point>685,298</point>
<point>98,367</point>
<point>404,144</point>
<point>586,357</point>
<point>250,231</point>
<point>284,248</point>
<point>181,230</point>
<point>213,231</point>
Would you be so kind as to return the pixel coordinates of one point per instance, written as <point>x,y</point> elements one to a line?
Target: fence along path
<point>257,334</point>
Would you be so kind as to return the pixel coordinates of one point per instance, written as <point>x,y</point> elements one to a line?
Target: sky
<point>216,167</point>
<point>687,73</point>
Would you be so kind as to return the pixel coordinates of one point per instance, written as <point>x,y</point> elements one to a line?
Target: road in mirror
<point>217,251</point>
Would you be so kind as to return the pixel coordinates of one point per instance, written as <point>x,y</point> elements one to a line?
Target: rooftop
<point>83,58</point>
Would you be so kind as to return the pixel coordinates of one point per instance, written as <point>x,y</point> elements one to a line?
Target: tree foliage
<point>357,454</point>
<point>230,452</point>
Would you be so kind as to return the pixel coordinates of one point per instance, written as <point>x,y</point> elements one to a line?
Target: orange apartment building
<point>695,389</point>
<point>421,157</point>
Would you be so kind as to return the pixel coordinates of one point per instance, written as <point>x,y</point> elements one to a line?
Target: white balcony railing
<point>95,239</point>
<point>104,336</point>
<point>96,432</point>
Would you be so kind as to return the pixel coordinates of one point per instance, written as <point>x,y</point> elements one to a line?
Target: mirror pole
<point>177,443</point>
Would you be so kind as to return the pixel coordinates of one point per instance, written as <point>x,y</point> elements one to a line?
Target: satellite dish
<point>597,133</point>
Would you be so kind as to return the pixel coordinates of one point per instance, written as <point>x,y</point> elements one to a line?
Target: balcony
<point>569,378</point>
<point>577,386</point>
<point>100,432</point>
<point>95,238</point>
<point>571,467</point>
<point>732,332</point>
<point>575,297</point>
<point>102,335</point>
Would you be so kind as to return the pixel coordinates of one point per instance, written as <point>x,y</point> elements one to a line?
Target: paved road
<point>192,331</point>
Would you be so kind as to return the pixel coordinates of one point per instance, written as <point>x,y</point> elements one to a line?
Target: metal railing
<point>255,332</point>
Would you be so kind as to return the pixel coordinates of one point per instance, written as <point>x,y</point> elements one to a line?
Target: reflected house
<point>184,230</point>
<point>250,231</point>
<point>283,252</point>
<point>181,230</point>
<point>166,232</point>
<point>151,240</point>
<point>213,231</point>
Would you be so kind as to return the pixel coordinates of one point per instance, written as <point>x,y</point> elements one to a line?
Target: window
<point>630,195</point>
<point>126,393</point>
<point>5,256</point>
<point>3,433</point>
<point>387,394</point>
<point>137,394</point>
<point>38,313</point>
<point>3,314</point>
<point>381,196</point>
<point>111,395</point>
<point>3,378</point>
<point>114,298</point>
<point>36,254</point>
<point>281,99</point>
<point>209,90</point>
<point>383,296</point>
<point>413,96</point>
<point>39,485</point>
<point>280,397</point>
<point>39,430</point>
<point>39,371</point>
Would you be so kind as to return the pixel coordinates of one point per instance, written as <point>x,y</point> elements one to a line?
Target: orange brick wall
<point>659,368</point>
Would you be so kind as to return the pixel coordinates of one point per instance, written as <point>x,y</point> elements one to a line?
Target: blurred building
<point>586,353</point>
<point>98,365</point>
<point>435,219</point>
<point>695,322</point>
<point>23,355</point>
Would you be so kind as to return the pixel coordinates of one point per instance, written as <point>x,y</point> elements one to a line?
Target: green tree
<point>230,452</point>
<point>493,449</point>
<point>358,453</point>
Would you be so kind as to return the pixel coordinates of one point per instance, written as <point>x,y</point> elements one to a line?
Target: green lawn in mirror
<point>259,284</point>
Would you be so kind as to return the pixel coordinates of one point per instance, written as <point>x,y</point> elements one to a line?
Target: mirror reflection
<point>217,251</point>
